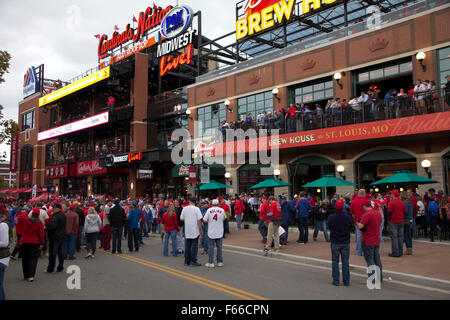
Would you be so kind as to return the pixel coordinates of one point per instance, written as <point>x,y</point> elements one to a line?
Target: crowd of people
<point>61,228</point>
<point>421,98</point>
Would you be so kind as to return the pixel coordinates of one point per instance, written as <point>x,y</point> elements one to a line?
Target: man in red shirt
<point>370,224</point>
<point>263,211</point>
<point>357,211</point>
<point>396,217</point>
<point>238,211</point>
<point>274,220</point>
<point>291,119</point>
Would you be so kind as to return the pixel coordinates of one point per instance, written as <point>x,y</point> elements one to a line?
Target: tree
<point>7,127</point>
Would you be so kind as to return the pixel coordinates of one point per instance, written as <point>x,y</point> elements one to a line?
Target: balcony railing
<point>335,115</point>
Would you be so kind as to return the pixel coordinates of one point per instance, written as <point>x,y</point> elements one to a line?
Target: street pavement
<point>246,275</point>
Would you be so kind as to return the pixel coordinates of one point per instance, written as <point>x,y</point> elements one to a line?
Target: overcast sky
<point>60,35</point>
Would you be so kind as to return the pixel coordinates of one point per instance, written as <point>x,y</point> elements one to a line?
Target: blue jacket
<point>433,209</point>
<point>409,211</point>
<point>134,217</point>
<point>286,211</point>
<point>303,207</point>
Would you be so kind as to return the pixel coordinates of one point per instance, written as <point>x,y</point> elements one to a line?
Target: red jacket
<point>170,224</point>
<point>356,207</point>
<point>32,231</point>
<point>239,207</point>
<point>264,210</point>
<point>19,221</point>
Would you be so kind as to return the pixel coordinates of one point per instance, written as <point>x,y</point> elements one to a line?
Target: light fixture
<point>426,164</point>
<point>401,189</point>
<point>275,92</point>
<point>319,191</point>
<point>338,76</point>
<point>227,175</point>
<point>377,190</point>
<point>276,172</point>
<point>227,104</point>
<point>420,56</point>
<point>340,169</point>
<point>132,186</point>
<point>188,113</point>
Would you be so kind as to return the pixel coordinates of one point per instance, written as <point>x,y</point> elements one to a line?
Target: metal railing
<point>317,118</point>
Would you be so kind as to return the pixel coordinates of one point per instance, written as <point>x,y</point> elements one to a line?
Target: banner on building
<point>14,148</point>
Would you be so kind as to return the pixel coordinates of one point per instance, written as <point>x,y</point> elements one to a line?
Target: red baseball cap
<point>395,193</point>
<point>339,206</point>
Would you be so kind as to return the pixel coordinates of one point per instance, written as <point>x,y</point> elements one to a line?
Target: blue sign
<point>176,21</point>
<point>30,83</point>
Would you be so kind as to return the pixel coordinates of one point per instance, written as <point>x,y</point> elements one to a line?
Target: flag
<point>134,19</point>
<point>97,36</point>
<point>116,28</point>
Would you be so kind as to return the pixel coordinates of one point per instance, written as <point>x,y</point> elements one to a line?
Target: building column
<point>284,176</point>
<point>436,169</point>
<point>349,173</point>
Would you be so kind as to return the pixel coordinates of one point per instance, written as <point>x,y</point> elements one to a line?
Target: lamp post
<point>426,164</point>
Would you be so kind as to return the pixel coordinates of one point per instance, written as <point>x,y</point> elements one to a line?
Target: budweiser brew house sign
<point>148,20</point>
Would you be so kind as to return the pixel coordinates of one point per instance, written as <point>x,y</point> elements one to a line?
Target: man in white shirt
<point>363,100</point>
<point>192,216</point>
<point>419,94</point>
<point>214,217</point>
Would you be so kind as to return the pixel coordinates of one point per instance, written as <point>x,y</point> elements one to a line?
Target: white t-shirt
<point>4,241</point>
<point>215,217</point>
<point>190,215</point>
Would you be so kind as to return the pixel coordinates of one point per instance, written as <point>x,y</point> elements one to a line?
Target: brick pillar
<point>349,173</point>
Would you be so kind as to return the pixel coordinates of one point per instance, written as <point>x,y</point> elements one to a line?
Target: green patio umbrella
<point>403,177</point>
<point>270,183</point>
<point>214,185</point>
<point>328,181</point>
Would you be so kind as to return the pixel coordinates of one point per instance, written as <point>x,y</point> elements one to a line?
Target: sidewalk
<point>429,260</point>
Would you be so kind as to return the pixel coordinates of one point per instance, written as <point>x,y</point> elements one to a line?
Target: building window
<point>26,159</point>
<point>444,65</point>
<point>28,120</point>
<point>255,104</point>
<point>385,73</point>
<point>210,118</point>
<point>322,90</point>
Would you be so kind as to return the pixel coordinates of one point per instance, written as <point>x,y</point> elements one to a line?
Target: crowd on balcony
<point>422,98</point>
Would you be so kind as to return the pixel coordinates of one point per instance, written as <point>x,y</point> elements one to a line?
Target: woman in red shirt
<point>170,222</point>
<point>32,239</point>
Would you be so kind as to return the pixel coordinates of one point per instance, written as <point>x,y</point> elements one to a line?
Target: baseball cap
<point>339,206</point>
<point>116,201</point>
<point>215,202</point>
<point>395,193</point>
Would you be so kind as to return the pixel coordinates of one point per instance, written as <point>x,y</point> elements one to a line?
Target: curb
<point>428,283</point>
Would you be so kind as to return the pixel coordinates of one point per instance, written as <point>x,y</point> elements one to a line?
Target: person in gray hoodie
<point>92,226</point>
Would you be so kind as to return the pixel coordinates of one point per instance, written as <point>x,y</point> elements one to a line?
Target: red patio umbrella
<point>43,197</point>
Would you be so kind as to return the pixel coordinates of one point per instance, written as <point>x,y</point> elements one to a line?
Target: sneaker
<point>88,255</point>
<point>220,264</point>
<point>209,265</point>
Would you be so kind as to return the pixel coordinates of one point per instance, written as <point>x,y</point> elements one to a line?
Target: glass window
<point>363,77</point>
<point>210,117</point>
<point>444,65</point>
<point>406,67</point>
<point>376,74</point>
<point>311,93</point>
<point>255,104</point>
<point>390,71</point>
<point>28,120</point>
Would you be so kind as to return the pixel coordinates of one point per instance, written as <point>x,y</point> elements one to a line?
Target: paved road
<point>149,275</point>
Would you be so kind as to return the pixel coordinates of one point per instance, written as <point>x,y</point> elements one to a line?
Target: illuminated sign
<point>76,86</point>
<point>175,44</point>
<point>264,14</point>
<point>176,21</point>
<point>171,63</point>
<point>144,174</point>
<point>150,19</point>
<point>132,157</point>
<point>55,172</point>
<point>30,83</point>
<point>90,168</point>
<point>74,126</point>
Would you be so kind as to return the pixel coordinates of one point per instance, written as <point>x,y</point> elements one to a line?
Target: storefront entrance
<point>380,164</point>
<point>308,169</point>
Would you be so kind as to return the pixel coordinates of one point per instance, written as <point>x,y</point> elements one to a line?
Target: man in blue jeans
<point>370,224</point>
<point>193,230</point>
<point>303,207</point>
<point>340,225</point>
